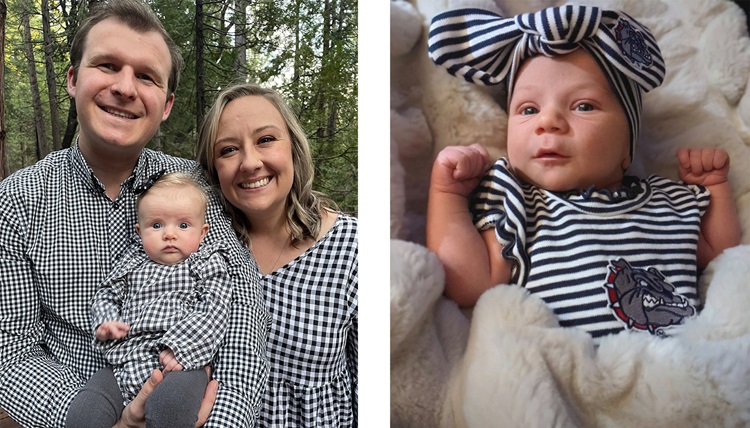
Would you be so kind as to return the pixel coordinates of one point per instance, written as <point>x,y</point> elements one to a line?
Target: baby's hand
<point>704,166</point>
<point>111,330</point>
<point>458,169</point>
<point>168,361</point>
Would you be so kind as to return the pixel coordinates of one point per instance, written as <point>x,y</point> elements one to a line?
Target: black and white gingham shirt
<point>183,307</point>
<point>59,237</point>
<point>312,346</point>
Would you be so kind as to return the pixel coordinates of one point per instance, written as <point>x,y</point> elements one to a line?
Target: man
<point>64,220</point>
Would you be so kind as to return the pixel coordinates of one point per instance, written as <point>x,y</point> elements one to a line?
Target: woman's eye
<point>266,139</point>
<point>529,110</point>
<point>584,107</point>
<point>227,150</point>
<point>183,225</point>
<point>156,226</point>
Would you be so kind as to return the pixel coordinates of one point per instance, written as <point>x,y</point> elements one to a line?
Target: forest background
<point>305,49</point>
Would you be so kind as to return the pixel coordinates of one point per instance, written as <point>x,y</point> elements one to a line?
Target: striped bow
<point>485,48</point>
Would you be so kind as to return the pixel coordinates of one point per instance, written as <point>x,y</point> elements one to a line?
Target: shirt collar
<point>142,171</point>
<point>82,170</point>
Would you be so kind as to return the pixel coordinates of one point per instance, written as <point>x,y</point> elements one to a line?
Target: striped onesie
<point>601,260</point>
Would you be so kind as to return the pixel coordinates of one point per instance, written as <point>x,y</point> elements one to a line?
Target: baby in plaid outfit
<point>164,306</point>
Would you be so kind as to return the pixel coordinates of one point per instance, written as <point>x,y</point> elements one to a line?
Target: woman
<point>254,149</point>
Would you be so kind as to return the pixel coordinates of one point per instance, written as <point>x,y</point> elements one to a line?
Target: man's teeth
<point>118,113</point>
<point>255,184</point>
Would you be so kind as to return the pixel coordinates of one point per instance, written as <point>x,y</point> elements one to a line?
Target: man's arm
<point>240,366</point>
<point>34,389</point>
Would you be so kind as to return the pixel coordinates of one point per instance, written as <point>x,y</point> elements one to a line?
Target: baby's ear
<point>138,229</point>
<point>204,231</point>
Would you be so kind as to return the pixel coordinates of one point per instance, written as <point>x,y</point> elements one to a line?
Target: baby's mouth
<point>549,155</point>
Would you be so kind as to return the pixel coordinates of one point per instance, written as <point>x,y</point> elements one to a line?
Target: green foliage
<point>306,49</point>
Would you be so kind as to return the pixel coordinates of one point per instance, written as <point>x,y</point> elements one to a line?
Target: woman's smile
<point>255,184</point>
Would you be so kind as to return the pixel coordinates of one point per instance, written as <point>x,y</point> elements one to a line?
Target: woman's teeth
<point>255,184</point>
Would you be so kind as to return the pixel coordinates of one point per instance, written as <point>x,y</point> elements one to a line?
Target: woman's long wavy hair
<point>303,205</point>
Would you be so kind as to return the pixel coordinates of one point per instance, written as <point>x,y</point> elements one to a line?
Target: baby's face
<point>171,223</point>
<point>566,128</point>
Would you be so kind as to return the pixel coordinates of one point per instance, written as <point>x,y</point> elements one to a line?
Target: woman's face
<point>253,157</point>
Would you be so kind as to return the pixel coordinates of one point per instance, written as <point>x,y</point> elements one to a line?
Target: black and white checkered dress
<point>312,345</point>
<point>60,235</point>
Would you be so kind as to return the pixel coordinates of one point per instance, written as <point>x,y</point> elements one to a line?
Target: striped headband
<point>487,49</point>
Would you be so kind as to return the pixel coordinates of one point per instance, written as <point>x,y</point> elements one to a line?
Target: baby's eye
<point>584,107</point>
<point>183,225</point>
<point>529,111</point>
<point>156,226</point>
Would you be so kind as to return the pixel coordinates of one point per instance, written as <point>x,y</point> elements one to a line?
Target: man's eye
<point>156,226</point>
<point>529,110</point>
<point>584,107</point>
<point>184,225</point>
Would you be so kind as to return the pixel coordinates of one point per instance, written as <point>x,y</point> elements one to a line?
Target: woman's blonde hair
<point>303,204</point>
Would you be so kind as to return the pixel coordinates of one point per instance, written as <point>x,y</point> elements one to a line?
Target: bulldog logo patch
<point>642,299</point>
<point>632,44</point>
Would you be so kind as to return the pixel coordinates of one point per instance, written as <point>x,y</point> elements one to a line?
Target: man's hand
<point>458,169</point>
<point>209,398</point>
<point>134,415</point>
<point>111,330</point>
<point>169,362</point>
<point>704,166</point>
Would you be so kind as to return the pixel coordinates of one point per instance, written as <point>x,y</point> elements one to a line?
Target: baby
<point>164,306</point>
<point>604,250</point>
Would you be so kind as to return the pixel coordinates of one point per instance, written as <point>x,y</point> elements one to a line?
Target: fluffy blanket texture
<point>507,362</point>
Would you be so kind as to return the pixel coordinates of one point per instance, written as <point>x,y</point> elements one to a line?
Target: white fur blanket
<point>508,363</point>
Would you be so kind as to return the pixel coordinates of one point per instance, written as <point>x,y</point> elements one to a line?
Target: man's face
<point>120,89</point>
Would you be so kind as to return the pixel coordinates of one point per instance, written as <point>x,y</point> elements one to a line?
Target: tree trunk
<point>71,22</point>
<point>240,45</point>
<point>323,106</point>
<point>3,157</point>
<point>200,97</point>
<point>41,133</point>
<point>54,111</point>
<point>296,65</point>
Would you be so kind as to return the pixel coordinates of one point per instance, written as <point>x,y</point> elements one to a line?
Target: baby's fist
<point>457,169</point>
<point>706,166</point>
